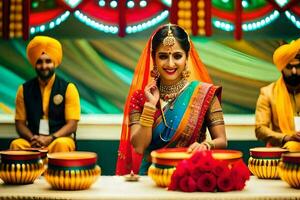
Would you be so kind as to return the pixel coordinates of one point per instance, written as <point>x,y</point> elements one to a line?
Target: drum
<point>43,152</point>
<point>72,170</point>
<point>20,167</point>
<point>289,169</point>
<point>263,161</point>
<point>164,162</point>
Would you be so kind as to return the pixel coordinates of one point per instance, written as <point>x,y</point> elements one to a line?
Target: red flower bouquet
<point>202,172</point>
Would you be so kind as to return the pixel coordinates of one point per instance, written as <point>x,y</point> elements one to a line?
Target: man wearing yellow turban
<point>279,102</point>
<point>47,107</point>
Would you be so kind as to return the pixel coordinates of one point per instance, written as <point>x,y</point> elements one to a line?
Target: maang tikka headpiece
<point>170,39</point>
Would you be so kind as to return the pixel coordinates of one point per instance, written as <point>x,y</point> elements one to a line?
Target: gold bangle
<point>210,145</point>
<point>147,117</point>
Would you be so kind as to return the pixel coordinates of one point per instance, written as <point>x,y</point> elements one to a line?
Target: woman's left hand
<point>197,147</point>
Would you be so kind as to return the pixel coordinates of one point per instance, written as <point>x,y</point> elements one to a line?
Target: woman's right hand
<point>152,93</point>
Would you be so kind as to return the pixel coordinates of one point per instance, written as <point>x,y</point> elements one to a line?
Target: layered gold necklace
<point>170,92</point>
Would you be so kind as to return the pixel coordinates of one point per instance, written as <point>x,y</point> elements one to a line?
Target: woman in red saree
<point>174,107</point>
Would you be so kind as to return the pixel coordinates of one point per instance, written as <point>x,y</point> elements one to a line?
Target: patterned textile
<point>186,118</point>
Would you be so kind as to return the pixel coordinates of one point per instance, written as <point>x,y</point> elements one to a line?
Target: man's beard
<point>293,80</point>
<point>45,75</point>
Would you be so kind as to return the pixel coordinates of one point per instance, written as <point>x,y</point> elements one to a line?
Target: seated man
<point>47,107</point>
<point>279,102</point>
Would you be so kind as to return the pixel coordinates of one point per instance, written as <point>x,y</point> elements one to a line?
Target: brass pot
<point>263,161</point>
<point>289,169</point>
<point>20,167</point>
<point>72,170</point>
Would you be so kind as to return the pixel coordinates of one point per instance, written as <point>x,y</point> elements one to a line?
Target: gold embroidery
<point>170,39</point>
<point>134,117</point>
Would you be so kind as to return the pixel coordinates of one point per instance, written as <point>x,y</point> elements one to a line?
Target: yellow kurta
<point>266,119</point>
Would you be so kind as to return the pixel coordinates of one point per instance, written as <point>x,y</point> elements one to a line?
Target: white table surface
<point>115,187</point>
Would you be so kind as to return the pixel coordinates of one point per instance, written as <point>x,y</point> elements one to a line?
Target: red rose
<point>207,163</point>
<point>239,169</point>
<point>239,184</point>
<point>187,184</point>
<point>196,172</point>
<point>198,156</point>
<point>182,168</point>
<point>225,183</point>
<point>207,182</point>
<point>174,185</point>
<point>221,167</point>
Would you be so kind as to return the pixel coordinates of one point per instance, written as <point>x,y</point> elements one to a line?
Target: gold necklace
<point>170,92</point>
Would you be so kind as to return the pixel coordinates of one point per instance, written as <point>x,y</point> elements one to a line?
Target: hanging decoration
<point>109,16</point>
<point>125,17</point>
<point>193,15</point>
<point>14,19</point>
<point>246,15</point>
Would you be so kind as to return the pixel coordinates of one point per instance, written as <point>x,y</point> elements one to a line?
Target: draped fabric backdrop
<point>102,70</point>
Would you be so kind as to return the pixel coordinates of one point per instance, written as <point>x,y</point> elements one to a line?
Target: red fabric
<point>137,101</point>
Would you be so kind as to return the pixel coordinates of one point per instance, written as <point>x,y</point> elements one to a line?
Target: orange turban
<point>284,54</point>
<point>47,45</point>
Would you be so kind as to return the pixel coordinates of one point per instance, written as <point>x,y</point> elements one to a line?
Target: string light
<point>281,2</point>
<point>101,3</point>
<point>51,24</point>
<point>94,24</point>
<point>73,3</point>
<point>252,26</point>
<point>225,26</point>
<point>147,24</point>
<point>292,18</point>
<point>249,26</point>
<point>167,2</point>
<point>143,3</point>
<point>130,4</point>
<point>113,4</point>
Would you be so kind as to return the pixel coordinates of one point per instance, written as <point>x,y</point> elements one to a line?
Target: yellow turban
<point>284,54</point>
<point>47,45</point>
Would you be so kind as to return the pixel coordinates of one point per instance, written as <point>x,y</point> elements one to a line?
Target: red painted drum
<point>263,161</point>
<point>75,170</point>
<point>20,167</point>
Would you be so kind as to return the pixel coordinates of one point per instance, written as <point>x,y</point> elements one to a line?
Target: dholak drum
<point>20,167</point>
<point>289,169</point>
<point>72,170</point>
<point>263,161</point>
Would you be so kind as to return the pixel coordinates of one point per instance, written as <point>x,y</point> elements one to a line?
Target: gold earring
<point>154,73</point>
<point>186,73</point>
